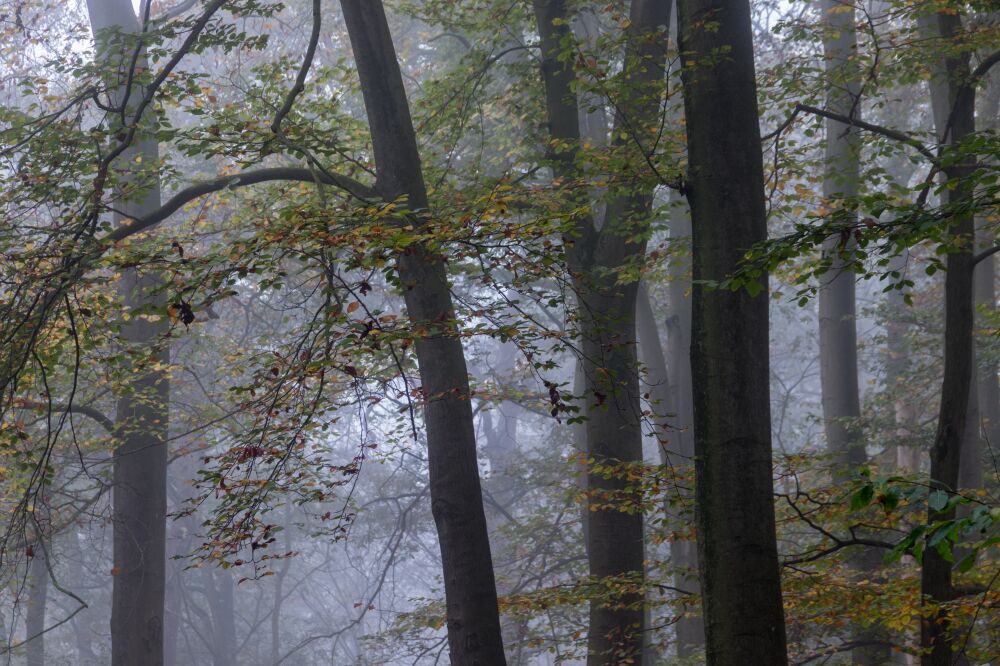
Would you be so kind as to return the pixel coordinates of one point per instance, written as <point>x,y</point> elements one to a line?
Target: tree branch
<point>985,254</point>
<point>188,194</point>
<point>300,79</point>
<point>983,68</point>
<point>95,414</point>
<point>175,11</point>
<point>843,647</point>
<point>874,129</point>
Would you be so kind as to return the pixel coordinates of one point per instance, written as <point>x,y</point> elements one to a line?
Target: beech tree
<point>140,460</point>
<point>456,497</point>
<point>738,555</point>
<point>598,253</point>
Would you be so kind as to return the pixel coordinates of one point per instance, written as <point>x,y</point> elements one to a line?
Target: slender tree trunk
<point>183,535</point>
<point>607,304</point>
<point>39,591</point>
<point>140,461</point>
<point>473,617</point>
<point>955,120</point>
<point>837,313</point>
<point>741,587</point>
<point>985,288</point>
<point>907,459</point>
<point>504,486</point>
<point>172,612</point>
<point>684,554</point>
<point>838,344</point>
<point>219,591</point>
<point>671,431</point>
<point>279,594</point>
<point>579,431</point>
<point>81,621</point>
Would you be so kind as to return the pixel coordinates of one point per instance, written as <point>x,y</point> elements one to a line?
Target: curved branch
<point>188,194</point>
<point>984,67</point>
<point>83,410</point>
<point>896,135</point>
<point>985,254</point>
<point>175,11</point>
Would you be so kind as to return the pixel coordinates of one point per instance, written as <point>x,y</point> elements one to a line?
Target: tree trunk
<point>219,592</point>
<point>946,455</point>
<point>985,289</point>
<point>81,621</point>
<point>615,547</point>
<point>140,461</point>
<point>473,617</point>
<point>614,437</point>
<point>674,444</point>
<point>690,630</point>
<point>279,592</point>
<point>907,459</point>
<point>741,587</point>
<point>837,314</point>
<point>838,344</point>
<point>39,591</point>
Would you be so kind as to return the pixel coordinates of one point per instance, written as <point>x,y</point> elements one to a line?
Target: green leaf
<point>937,500</point>
<point>863,497</point>
<point>967,562</point>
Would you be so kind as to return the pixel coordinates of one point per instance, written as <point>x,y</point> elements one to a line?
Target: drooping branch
<point>271,174</point>
<point>72,408</point>
<point>887,132</point>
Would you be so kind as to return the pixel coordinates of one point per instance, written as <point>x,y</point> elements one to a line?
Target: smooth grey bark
<point>504,486</point>
<point>838,343</point>
<point>837,311</point>
<point>183,538</point>
<point>955,120</point>
<point>615,546</point>
<point>172,605</point>
<point>278,600</point>
<point>984,279</point>
<point>579,431</point>
<point>80,622</point>
<point>140,461</point>
<point>672,435</point>
<point>738,556</point>
<point>38,573</point>
<point>684,554</point>
<point>219,590</point>
<point>473,618</point>
<point>907,459</point>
